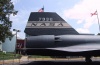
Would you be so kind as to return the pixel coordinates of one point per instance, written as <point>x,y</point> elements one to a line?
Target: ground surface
<point>50,61</point>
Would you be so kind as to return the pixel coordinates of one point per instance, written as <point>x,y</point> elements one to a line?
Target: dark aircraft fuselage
<point>80,45</point>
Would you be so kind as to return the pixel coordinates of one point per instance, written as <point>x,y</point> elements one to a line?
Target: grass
<point>37,56</point>
<point>7,56</point>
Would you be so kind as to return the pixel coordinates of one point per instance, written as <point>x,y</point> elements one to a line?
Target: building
<point>47,23</point>
<point>20,44</point>
<point>9,45</point>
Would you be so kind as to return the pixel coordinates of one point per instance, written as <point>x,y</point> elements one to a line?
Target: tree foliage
<point>6,9</point>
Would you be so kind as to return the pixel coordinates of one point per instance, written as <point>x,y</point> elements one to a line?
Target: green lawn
<point>8,56</point>
<point>37,56</point>
<point>17,56</point>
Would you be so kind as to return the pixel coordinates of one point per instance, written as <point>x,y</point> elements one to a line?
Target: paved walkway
<point>25,59</point>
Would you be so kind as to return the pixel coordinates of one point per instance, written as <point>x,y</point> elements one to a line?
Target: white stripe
<point>79,48</point>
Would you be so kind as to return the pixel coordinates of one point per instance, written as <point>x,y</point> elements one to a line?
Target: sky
<point>75,12</point>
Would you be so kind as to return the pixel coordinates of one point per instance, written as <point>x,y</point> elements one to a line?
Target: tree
<point>6,9</point>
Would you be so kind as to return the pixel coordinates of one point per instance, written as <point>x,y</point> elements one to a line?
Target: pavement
<point>59,62</point>
<point>36,61</point>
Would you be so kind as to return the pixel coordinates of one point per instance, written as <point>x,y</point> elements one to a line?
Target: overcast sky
<point>76,12</point>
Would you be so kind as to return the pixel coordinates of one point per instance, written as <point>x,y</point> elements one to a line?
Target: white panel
<point>9,46</point>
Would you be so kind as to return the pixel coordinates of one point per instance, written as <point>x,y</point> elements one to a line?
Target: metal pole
<point>98,21</point>
<point>15,44</point>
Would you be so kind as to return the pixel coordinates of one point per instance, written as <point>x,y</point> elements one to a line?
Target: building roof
<point>47,23</point>
<point>34,16</point>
